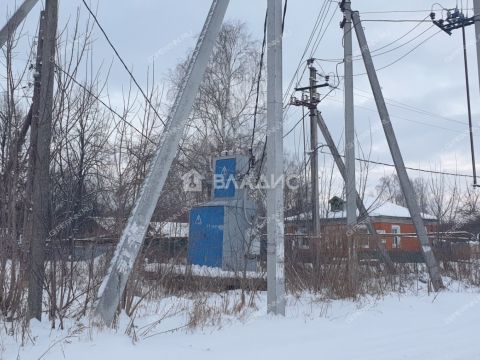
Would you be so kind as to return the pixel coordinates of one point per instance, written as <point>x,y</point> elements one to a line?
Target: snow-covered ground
<point>202,271</point>
<point>415,325</point>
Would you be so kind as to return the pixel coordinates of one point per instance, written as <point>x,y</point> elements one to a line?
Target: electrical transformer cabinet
<point>221,232</point>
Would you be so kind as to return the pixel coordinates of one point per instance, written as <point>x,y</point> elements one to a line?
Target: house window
<point>304,243</point>
<point>396,239</point>
<point>384,241</point>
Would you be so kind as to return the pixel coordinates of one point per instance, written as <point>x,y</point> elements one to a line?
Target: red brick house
<point>387,218</point>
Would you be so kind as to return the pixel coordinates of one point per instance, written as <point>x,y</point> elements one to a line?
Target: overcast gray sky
<point>432,134</point>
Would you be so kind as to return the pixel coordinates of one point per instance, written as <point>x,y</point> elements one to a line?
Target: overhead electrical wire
<point>264,150</point>
<point>374,51</point>
<point>123,63</point>
<point>259,79</point>
<point>404,118</point>
<point>303,117</point>
<point>319,29</point>
<point>294,126</point>
<point>401,57</point>
<point>114,112</point>
<point>396,11</point>
<point>400,105</point>
<point>406,54</point>
<point>321,35</point>
<point>96,97</point>
<point>319,19</point>
<point>396,20</point>
<point>406,167</point>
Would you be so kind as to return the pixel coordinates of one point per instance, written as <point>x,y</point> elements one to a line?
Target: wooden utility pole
<point>40,161</point>
<point>16,19</point>
<point>274,166</point>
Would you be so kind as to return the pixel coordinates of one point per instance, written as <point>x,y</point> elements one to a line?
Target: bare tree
<point>223,112</point>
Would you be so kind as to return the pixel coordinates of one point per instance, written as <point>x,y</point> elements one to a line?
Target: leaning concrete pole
<point>476,10</point>
<point>275,219</point>
<point>359,202</point>
<point>405,183</point>
<point>16,19</point>
<point>132,238</point>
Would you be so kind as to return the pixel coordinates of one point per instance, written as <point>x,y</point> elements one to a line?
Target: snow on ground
<point>202,271</point>
<point>408,326</point>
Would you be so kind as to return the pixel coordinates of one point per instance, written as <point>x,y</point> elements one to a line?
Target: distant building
<point>163,240</point>
<point>387,218</point>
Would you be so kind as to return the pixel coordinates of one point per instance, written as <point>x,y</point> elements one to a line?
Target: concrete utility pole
<point>274,166</point>
<point>16,19</point>
<point>34,109</point>
<point>469,106</point>
<point>359,202</point>
<point>405,183</point>
<point>456,19</point>
<point>350,188</point>
<point>311,103</point>
<point>314,150</point>
<point>476,10</point>
<point>40,159</point>
<point>132,238</point>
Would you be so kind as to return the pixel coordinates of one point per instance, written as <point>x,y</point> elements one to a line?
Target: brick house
<point>387,218</point>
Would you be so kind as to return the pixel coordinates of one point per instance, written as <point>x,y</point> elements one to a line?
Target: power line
<point>403,56</point>
<point>124,64</point>
<point>396,20</point>
<point>319,27</point>
<point>303,117</point>
<point>401,37</point>
<point>284,14</point>
<point>403,118</point>
<point>408,168</point>
<point>96,97</point>
<point>320,36</point>
<point>396,11</point>
<point>374,51</point>
<point>262,55</point>
<point>320,16</point>
<point>113,111</point>
<point>294,126</point>
<point>403,44</point>
<point>264,150</point>
<point>415,109</point>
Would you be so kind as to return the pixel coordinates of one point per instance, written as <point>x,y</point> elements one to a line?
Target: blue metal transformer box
<point>220,236</point>
<point>229,172</point>
<point>221,233</point>
<point>205,245</point>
